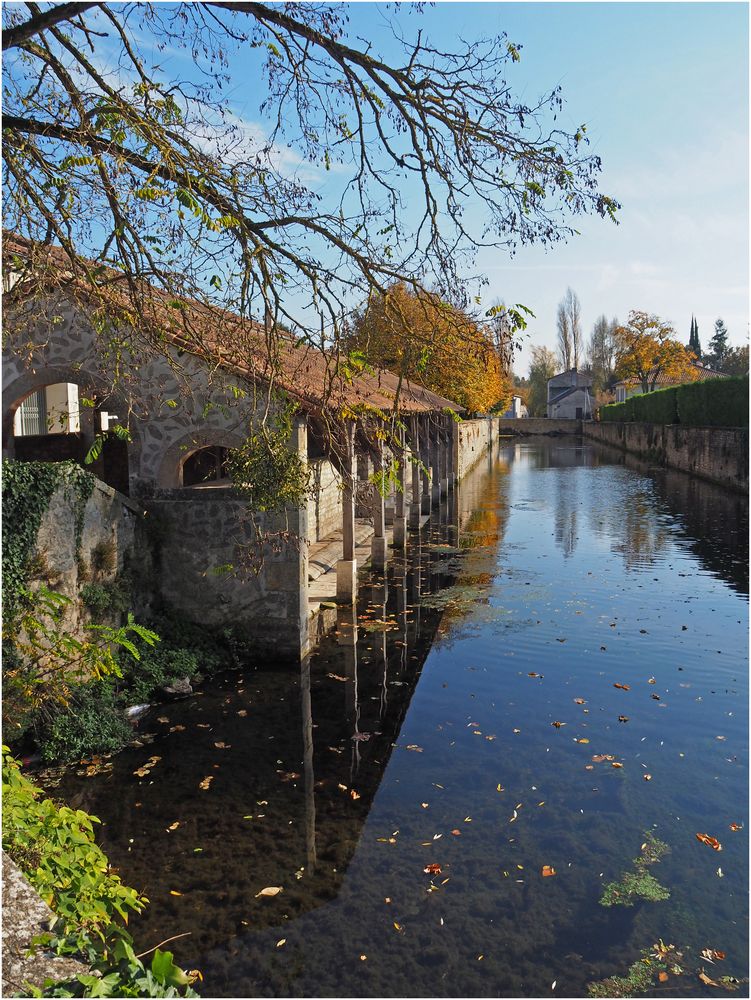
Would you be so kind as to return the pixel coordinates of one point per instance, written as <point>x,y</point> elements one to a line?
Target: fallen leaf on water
<point>456,833</point>
<point>663,977</point>
<point>616,764</point>
<point>533,674</point>
<point>600,757</point>
<point>623,718</point>
<point>736,826</point>
<point>162,718</point>
<point>647,777</point>
<point>467,819</point>
<point>397,926</point>
<point>582,739</point>
<point>386,840</point>
<point>579,701</point>
<point>704,978</point>
<point>205,725</point>
<point>243,712</point>
<point>336,677</point>
<point>557,724</point>
<point>414,746</point>
<point>500,788</point>
<point>222,746</point>
<point>206,782</point>
<point>517,730</point>
<point>363,958</point>
<point>711,955</point>
<point>548,870</point>
<point>709,841</point>
<point>177,729</point>
<point>362,738</point>
<point>651,681</point>
<point>560,640</point>
<point>174,826</point>
<point>589,767</point>
<point>433,869</point>
<point>281,942</point>
<point>623,687</point>
<point>425,805</point>
<point>353,794</point>
<point>270,890</point>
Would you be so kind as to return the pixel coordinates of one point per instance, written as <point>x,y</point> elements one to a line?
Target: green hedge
<point>715,402</point>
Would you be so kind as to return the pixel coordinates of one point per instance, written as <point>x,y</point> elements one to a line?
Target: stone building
<point>570,396</point>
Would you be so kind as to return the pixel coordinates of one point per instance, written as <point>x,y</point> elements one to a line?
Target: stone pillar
<point>362,494</point>
<point>414,507</point>
<point>346,568</point>
<point>425,490</point>
<point>435,465</point>
<point>378,545</point>
<point>400,521</point>
<point>444,454</point>
<point>453,452</point>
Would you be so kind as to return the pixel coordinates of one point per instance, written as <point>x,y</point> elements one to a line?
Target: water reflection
<point>421,730</point>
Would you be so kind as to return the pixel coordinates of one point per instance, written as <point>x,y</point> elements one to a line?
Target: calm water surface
<point>417,736</point>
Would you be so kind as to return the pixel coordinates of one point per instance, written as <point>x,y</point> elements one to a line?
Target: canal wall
<point>718,454</point>
<point>472,441</point>
<point>538,425</point>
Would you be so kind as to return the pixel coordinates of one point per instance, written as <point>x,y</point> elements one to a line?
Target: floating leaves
<point>415,747</point>
<point>711,955</point>
<point>736,826</point>
<point>145,769</point>
<point>638,883</point>
<point>269,891</point>
<point>709,841</point>
<point>206,783</point>
<point>547,871</point>
<point>623,687</point>
<point>557,724</point>
<point>580,701</point>
<point>433,869</point>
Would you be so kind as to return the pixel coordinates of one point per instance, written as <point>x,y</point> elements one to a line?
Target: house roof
<point>667,380</point>
<point>315,378</point>
<point>568,392</point>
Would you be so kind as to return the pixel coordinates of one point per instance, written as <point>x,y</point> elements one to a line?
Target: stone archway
<point>176,454</point>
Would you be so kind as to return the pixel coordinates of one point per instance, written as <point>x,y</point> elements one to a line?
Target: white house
<point>516,410</point>
<point>570,396</point>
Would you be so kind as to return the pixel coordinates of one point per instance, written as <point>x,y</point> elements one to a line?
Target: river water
<point>566,606</point>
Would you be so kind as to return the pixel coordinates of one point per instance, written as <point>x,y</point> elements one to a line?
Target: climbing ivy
<point>28,488</point>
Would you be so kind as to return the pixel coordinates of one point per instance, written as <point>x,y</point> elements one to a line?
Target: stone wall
<point>539,425</point>
<point>473,439</point>
<point>325,506</point>
<point>209,571</point>
<point>114,548</point>
<point>719,454</point>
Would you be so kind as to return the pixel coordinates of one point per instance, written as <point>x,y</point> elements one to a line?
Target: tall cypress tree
<point>693,341</point>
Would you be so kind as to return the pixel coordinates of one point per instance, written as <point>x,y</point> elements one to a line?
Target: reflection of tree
<point>484,528</point>
<point>566,504</point>
<point>634,527</point>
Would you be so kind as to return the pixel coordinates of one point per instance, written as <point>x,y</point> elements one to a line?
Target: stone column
<point>346,568</point>
<point>445,454</point>
<point>378,545</point>
<point>453,452</point>
<point>414,507</point>
<point>362,497</point>
<point>298,522</point>
<point>435,465</point>
<point>425,490</point>
<point>400,521</point>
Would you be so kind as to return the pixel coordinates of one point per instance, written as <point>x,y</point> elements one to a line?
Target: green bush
<point>105,598</point>
<point>157,667</point>
<point>715,402</point>
<point>93,722</point>
<point>54,847</point>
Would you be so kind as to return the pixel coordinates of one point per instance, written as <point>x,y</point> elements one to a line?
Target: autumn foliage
<point>421,337</point>
<point>647,351</point>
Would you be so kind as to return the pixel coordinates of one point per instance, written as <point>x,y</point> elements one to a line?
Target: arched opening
<point>57,421</point>
<point>206,467</point>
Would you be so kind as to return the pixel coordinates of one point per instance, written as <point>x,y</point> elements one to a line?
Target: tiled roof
<point>666,380</point>
<point>240,345</point>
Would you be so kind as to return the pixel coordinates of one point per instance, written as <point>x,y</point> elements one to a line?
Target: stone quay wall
<point>114,546</point>
<point>718,454</point>
<point>473,439</point>
<point>209,567</point>
<point>539,425</point>
<point>325,505</point>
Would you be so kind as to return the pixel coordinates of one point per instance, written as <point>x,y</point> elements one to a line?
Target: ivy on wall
<point>28,488</point>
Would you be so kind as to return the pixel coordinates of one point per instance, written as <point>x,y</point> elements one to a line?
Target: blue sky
<point>663,89</point>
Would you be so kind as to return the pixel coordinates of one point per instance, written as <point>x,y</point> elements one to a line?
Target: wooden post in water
<point>346,568</point>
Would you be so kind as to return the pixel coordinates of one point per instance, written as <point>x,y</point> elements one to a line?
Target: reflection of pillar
<point>346,568</point>
<point>414,508</point>
<point>453,515</point>
<point>346,638</point>
<point>378,545</point>
<point>400,587</point>
<point>307,744</point>
<point>414,583</point>
<point>379,598</point>
<point>400,521</point>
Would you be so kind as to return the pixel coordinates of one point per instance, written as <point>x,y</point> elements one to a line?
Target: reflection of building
<point>570,396</point>
<point>633,386</point>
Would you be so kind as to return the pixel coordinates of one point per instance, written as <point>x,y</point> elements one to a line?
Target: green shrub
<point>93,722</point>
<point>715,402</point>
<point>105,598</point>
<point>660,407</point>
<point>54,847</point>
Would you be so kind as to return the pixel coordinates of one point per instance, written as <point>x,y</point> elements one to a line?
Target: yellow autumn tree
<point>647,350</point>
<point>416,334</point>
